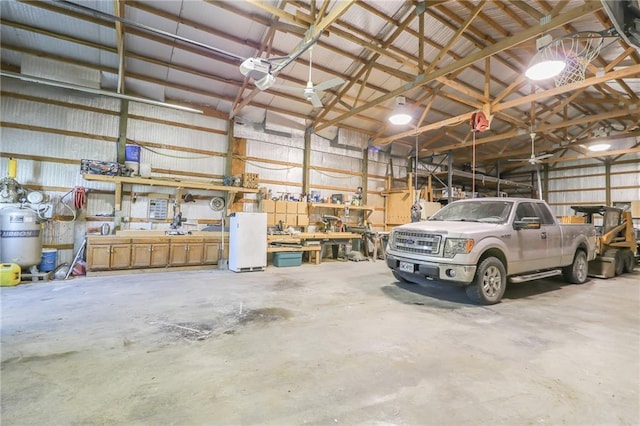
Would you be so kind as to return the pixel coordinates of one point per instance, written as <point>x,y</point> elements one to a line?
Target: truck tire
<point>489,283</point>
<point>576,273</point>
<point>629,261</point>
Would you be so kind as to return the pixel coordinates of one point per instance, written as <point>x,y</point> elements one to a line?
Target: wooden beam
<point>624,72</point>
<point>501,45</point>
<point>461,29</point>
<point>543,128</point>
<point>118,6</point>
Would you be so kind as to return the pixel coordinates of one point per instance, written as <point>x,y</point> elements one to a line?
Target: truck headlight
<point>453,246</point>
<point>391,240</point>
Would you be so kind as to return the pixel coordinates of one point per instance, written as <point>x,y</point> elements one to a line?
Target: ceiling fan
<point>312,92</point>
<point>533,159</point>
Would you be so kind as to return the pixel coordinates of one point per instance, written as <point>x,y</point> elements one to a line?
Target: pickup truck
<point>480,243</point>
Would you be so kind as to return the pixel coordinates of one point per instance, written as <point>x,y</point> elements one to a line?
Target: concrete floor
<point>338,343</point>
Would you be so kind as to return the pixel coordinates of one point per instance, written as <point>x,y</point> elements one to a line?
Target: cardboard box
<point>271,219</point>
<point>302,208</point>
<point>281,217</point>
<point>292,207</point>
<point>281,206</point>
<point>268,206</point>
<point>303,220</point>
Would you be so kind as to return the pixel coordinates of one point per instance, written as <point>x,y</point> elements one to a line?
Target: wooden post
<point>120,158</point>
<point>230,140</point>
<point>365,175</point>
<point>607,181</point>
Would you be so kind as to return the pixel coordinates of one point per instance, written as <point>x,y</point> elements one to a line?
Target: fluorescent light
<point>599,147</point>
<point>84,89</point>
<point>400,115</point>
<point>545,65</point>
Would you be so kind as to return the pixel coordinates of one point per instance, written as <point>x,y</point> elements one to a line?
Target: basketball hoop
<point>578,50</point>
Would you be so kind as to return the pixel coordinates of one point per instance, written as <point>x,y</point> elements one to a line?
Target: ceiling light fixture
<point>260,70</point>
<point>265,82</point>
<point>599,147</point>
<point>400,114</point>
<point>547,62</point>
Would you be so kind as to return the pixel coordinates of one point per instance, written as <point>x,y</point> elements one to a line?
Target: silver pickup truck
<point>479,243</point>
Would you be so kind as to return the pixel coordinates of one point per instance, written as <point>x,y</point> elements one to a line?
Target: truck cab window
<point>526,210</point>
<point>546,218</point>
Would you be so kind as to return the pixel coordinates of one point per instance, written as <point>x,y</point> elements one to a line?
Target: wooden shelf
<point>168,183</point>
<point>340,206</point>
<point>366,210</point>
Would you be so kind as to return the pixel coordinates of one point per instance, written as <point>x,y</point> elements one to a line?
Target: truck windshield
<point>475,211</point>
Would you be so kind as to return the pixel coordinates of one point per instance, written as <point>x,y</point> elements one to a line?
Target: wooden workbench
<point>314,236</point>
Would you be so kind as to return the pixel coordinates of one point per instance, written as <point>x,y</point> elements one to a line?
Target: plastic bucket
<point>132,153</point>
<point>48,260</point>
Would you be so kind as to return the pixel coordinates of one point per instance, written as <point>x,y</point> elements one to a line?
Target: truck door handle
<point>543,235</point>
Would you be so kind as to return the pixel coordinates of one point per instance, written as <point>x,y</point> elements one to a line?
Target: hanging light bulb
<point>400,114</point>
<point>548,62</point>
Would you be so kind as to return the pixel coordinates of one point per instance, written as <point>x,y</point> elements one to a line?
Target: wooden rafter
<point>504,44</point>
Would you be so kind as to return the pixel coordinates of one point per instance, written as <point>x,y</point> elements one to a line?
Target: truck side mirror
<point>527,223</point>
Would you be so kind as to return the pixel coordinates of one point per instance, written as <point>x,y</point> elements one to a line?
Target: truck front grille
<point>417,242</point>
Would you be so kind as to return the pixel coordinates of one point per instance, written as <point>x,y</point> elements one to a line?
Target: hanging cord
<point>65,205</point>
<point>473,165</point>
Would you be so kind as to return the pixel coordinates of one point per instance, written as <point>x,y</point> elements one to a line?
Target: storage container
<point>287,259</point>
<point>9,274</point>
<point>48,260</point>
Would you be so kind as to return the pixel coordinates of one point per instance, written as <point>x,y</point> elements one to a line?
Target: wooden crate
<point>571,219</point>
<point>250,180</point>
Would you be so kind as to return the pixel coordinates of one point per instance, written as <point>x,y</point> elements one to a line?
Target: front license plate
<point>406,266</point>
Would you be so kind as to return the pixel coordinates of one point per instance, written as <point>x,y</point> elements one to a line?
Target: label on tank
<point>16,219</point>
<point>20,234</point>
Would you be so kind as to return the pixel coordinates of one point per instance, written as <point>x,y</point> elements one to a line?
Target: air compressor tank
<point>20,237</point>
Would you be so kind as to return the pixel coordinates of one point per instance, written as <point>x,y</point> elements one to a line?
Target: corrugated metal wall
<point>585,182</point>
<point>50,130</point>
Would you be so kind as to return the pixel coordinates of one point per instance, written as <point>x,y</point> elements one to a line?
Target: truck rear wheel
<point>576,273</point>
<point>489,283</point>
<point>620,262</point>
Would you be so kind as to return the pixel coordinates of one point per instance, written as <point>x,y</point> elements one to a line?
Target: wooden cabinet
<point>149,252</point>
<point>211,252</point>
<point>108,253</point>
<point>111,253</point>
<point>186,251</point>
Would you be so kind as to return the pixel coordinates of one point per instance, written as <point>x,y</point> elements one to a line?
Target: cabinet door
<point>140,255</point>
<point>211,253</point>
<point>194,253</point>
<point>178,253</point>
<point>120,256</point>
<point>98,256</point>
<point>159,255</point>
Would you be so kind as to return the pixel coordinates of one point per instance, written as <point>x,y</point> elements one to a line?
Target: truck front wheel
<point>489,283</point>
<point>576,273</point>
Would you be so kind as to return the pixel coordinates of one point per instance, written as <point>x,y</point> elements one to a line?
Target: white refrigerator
<point>248,242</point>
